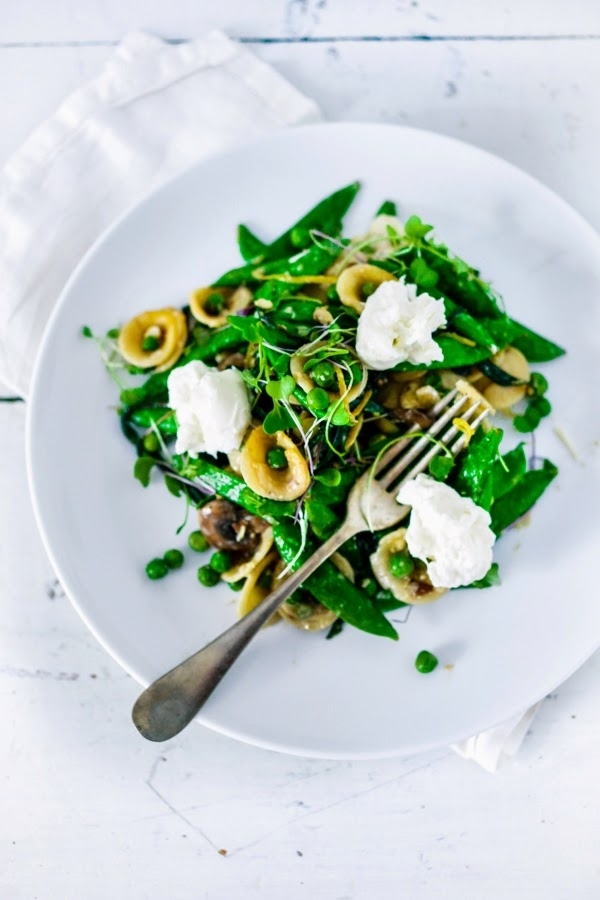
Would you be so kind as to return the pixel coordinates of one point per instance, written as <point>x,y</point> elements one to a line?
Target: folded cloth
<point>155,109</point>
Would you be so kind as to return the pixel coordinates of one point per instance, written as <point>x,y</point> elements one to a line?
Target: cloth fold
<point>154,109</point>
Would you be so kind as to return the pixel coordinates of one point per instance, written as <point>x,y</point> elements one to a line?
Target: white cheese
<point>396,326</point>
<point>211,408</point>
<point>450,533</point>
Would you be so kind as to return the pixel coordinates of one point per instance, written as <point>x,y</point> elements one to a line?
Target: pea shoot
<point>426,662</point>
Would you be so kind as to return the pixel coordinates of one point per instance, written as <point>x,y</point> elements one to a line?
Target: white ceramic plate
<point>355,696</point>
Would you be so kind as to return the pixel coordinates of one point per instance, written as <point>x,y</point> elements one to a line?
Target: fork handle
<point>171,702</point>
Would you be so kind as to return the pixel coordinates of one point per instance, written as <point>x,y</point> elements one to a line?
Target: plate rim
<point>31,405</point>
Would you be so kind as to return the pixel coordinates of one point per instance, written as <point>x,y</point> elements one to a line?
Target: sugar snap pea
<point>331,588</point>
<point>234,488</point>
<point>251,248</point>
<point>519,499</point>
<point>160,416</point>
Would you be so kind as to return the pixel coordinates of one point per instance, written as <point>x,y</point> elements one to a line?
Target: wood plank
<point>532,103</point>
<point>61,20</point>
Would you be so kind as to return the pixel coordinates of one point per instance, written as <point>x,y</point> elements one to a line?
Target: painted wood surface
<point>89,810</point>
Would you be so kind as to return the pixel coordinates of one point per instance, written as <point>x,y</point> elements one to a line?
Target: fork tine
<point>392,452</point>
<point>422,443</point>
<point>454,449</point>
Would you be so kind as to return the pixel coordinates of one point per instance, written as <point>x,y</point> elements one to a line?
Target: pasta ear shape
<point>415,588</point>
<point>212,305</point>
<point>154,340</point>
<point>353,281</point>
<point>288,482</point>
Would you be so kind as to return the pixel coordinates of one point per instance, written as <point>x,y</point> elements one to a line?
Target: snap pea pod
<point>465,324</point>
<point>519,499</point>
<point>387,208</point>
<point>331,588</point>
<point>160,416</point>
<point>322,518</point>
<point>326,216</point>
<point>251,248</point>
<point>313,261</point>
<point>456,355</point>
<point>234,488</point>
<point>461,284</point>
<point>508,471</point>
<point>154,389</point>
<point>533,346</point>
<point>296,311</point>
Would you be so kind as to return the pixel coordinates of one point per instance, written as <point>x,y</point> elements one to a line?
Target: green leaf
<point>277,420</point>
<point>112,333</point>
<point>281,390</point>
<point>440,467</point>
<point>173,486</point>
<point>339,416</point>
<point>87,332</point>
<point>415,228</point>
<point>247,326</point>
<point>329,477</point>
<point>142,469</point>
<point>474,476</point>
<point>422,275</point>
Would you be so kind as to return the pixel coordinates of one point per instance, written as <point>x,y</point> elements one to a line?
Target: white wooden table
<point>89,810</point>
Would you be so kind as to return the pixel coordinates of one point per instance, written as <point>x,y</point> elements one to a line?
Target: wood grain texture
<point>89,809</point>
<point>107,20</point>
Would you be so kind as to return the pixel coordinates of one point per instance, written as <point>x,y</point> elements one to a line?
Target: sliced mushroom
<point>227,526</point>
<point>414,588</point>
<point>275,484</point>
<point>512,361</point>
<point>206,307</point>
<point>352,281</point>
<point>167,327</point>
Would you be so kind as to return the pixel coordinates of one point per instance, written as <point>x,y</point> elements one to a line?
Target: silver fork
<point>172,701</point>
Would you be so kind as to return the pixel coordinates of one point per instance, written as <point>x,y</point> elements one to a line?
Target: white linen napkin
<point>154,109</point>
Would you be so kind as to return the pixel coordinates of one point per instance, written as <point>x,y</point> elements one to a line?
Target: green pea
<point>221,561</point>
<point>368,288</point>
<point>151,442</point>
<point>541,405</point>
<point>538,383</point>
<point>214,304</point>
<point>198,542</point>
<point>237,585</point>
<point>400,565</point>
<point>323,374</point>
<point>425,662</point>
<point>276,458</point>
<point>150,342</point>
<point>317,400</point>
<point>174,559</point>
<point>156,568</point>
<point>207,576</point>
